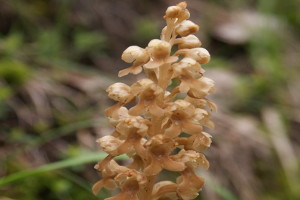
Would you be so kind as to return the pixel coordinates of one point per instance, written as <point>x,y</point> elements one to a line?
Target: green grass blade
<point>80,160</point>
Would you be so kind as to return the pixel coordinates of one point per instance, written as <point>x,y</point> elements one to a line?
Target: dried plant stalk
<point>150,132</point>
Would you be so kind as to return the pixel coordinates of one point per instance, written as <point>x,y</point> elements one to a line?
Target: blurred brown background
<point>57,57</point>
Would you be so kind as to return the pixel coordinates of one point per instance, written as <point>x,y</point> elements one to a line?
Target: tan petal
<point>164,189</point>
<point>173,131</point>
<point>120,92</point>
<point>190,127</point>
<point>191,158</point>
<point>153,169</point>
<point>172,165</point>
<point>190,185</point>
<point>112,169</point>
<point>124,196</point>
<point>110,144</point>
<point>159,49</point>
<point>109,184</point>
<point>97,187</point>
<point>212,105</point>
<point>209,124</point>
<point>155,110</point>
<point>184,86</point>
<point>135,54</point>
<point>110,111</point>
<point>153,64</point>
<point>199,142</point>
<point>171,59</point>
<point>138,109</point>
<point>137,163</point>
<point>140,150</point>
<point>132,69</point>
<point>125,148</point>
<point>100,166</point>
<point>186,28</point>
<point>191,41</point>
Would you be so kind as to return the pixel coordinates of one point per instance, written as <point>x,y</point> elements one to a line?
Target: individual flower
<point>187,67</point>
<point>189,184</point>
<point>159,51</point>
<point>147,91</point>
<point>119,92</point>
<point>179,12</point>
<point>115,146</point>
<point>186,28</point>
<point>201,103</point>
<point>191,158</point>
<point>180,117</point>
<point>159,157</point>
<point>196,88</point>
<point>164,190</point>
<point>132,125</point>
<point>129,191</point>
<point>136,55</point>
<point>109,171</point>
<point>188,42</point>
<point>201,55</point>
<point>197,142</point>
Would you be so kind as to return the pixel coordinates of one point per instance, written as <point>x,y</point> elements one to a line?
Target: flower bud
<point>120,92</point>
<point>135,54</point>
<point>188,42</point>
<point>186,28</point>
<point>173,11</point>
<point>182,5</point>
<point>159,49</point>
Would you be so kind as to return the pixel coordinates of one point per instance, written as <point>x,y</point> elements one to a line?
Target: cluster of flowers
<point>150,132</point>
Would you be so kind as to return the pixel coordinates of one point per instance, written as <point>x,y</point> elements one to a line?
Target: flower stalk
<point>150,132</point>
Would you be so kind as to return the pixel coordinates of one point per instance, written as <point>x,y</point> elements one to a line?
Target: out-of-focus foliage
<point>58,57</point>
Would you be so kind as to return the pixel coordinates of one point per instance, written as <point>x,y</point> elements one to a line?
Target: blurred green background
<point>57,57</point>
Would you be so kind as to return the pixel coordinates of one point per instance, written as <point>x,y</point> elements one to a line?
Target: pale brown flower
<point>159,51</point>
<point>147,91</point>
<point>188,42</point>
<point>136,55</point>
<point>164,190</point>
<point>159,149</point>
<point>183,116</point>
<point>191,159</point>
<point>201,55</point>
<point>197,142</point>
<point>119,92</point>
<point>189,184</point>
<point>186,28</point>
